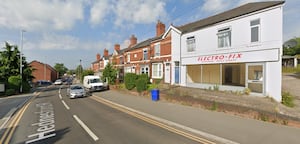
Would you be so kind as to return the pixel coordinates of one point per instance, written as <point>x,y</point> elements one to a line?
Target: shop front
<point>235,71</point>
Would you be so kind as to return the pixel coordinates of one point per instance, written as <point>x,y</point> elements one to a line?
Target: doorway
<point>255,77</point>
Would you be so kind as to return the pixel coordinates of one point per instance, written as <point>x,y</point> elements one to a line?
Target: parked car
<point>75,91</point>
<point>94,83</point>
<point>41,83</point>
<point>58,82</point>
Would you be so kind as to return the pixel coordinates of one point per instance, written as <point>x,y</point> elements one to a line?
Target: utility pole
<point>80,71</point>
<point>21,64</point>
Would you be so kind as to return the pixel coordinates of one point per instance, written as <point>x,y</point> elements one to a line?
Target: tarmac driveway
<point>291,84</point>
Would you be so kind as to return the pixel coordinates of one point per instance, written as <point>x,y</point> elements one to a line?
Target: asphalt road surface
<point>51,117</point>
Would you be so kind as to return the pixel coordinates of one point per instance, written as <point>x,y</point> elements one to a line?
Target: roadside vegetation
<point>10,74</point>
<point>287,99</point>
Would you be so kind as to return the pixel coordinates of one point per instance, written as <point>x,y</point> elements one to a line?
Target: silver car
<point>76,91</point>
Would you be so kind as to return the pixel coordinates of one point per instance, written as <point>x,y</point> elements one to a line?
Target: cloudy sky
<point>67,31</point>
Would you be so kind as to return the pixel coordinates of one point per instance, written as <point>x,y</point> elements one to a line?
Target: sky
<point>67,31</point>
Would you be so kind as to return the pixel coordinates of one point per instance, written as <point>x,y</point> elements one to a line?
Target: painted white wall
<point>175,49</point>
<point>207,44</point>
<point>207,40</point>
<point>273,80</point>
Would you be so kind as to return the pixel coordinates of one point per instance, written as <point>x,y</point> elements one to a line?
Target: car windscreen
<point>95,80</point>
<point>76,87</point>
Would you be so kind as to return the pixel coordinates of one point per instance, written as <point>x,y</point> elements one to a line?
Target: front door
<point>255,77</point>
<point>177,72</point>
<point>167,73</point>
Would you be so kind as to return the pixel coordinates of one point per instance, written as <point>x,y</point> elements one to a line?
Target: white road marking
<point>95,138</point>
<point>67,107</point>
<point>59,94</point>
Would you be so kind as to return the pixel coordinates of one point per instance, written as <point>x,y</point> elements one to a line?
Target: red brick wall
<point>43,72</point>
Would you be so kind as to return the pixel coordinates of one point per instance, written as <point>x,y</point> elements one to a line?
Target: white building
<point>237,49</point>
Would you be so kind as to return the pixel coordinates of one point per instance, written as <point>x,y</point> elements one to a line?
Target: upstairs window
<point>191,44</point>
<point>255,24</point>
<point>121,60</point>
<point>128,57</point>
<point>224,37</point>
<point>157,49</point>
<point>145,54</point>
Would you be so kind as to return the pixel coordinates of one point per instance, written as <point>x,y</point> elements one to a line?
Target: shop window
<point>255,27</point>
<point>211,74</point>
<point>194,73</point>
<point>191,44</point>
<point>157,49</point>
<point>224,37</point>
<point>157,70</point>
<point>233,74</point>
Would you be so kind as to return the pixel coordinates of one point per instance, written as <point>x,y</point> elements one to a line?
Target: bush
<point>129,80</point>
<point>14,83</point>
<point>247,91</point>
<point>10,92</point>
<point>144,77</point>
<point>26,86</point>
<point>141,84</point>
<point>287,99</point>
<point>152,86</point>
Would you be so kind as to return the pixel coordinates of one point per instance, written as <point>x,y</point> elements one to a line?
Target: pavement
<point>211,124</point>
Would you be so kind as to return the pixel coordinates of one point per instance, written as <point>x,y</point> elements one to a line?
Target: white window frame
<point>255,24</point>
<point>145,51</point>
<point>191,44</point>
<point>156,49</point>
<point>224,37</point>
<point>128,57</point>
<point>157,70</point>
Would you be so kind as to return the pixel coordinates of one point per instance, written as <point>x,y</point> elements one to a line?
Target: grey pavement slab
<point>230,127</point>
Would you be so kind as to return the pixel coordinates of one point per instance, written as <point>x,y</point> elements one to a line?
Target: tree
<point>79,71</point>
<point>110,73</point>
<point>60,68</point>
<point>10,65</point>
<point>292,47</point>
<point>85,73</point>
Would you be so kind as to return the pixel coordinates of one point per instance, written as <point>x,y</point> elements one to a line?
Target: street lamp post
<point>21,64</point>
<point>80,71</point>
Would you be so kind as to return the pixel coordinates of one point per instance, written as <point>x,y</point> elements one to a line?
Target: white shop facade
<point>233,54</point>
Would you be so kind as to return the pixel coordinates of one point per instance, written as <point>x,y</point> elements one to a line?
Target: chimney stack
<point>105,52</point>
<point>133,40</point>
<point>98,56</point>
<point>160,28</point>
<point>117,47</point>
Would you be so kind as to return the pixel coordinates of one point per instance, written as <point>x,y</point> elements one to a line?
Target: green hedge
<point>129,80</point>
<point>14,84</point>
<point>141,82</point>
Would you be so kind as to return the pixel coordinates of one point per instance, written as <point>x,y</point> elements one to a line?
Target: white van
<point>94,83</point>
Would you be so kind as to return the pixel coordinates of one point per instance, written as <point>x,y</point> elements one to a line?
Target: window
<point>255,30</point>
<point>145,54</point>
<point>233,74</point>
<point>157,70</point>
<point>128,57</point>
<point>145,70</point>
<point>135,55</point>
<point>157,49</point>
<point>224,37</point>
<point>191,44</point>
<point>121,60</point>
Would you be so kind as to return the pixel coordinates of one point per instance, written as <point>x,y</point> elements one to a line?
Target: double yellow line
<point>5,139</point>
<point>154,122</point>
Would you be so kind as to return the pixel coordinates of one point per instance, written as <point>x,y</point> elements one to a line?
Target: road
<point>51,117</point>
